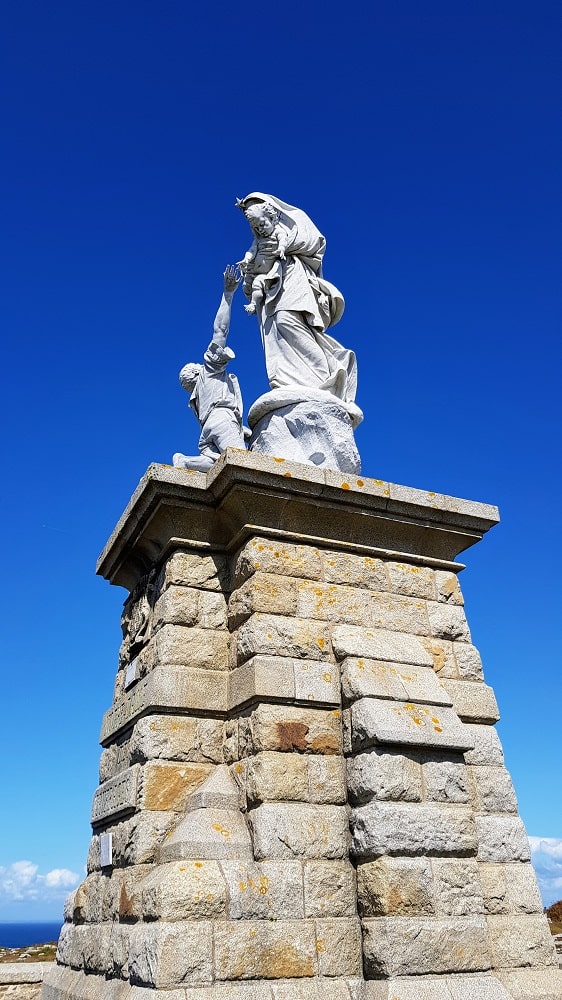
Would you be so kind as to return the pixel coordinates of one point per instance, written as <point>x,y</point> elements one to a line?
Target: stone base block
<point>67,984</point>
<point>444,988</point>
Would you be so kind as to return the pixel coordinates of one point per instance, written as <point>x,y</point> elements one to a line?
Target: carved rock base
<point>317,430</point>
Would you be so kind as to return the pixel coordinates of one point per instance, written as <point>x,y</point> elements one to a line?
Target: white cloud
<point>22,880</point>
<point>546,855</point>
<point>61,878</point>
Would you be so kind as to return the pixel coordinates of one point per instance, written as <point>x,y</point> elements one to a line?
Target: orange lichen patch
<point>222,830</point>
<point>436,721</point>
<point>327,677</point>
<point>438,729</point>
<point>167,786</point>
<point>360,482</point>
<point>278,459</point>
<point>325,744</point>
<point>181,868</point>
<point>271,961</point>
<point>320,946</point>
<point>287,475</point>
<point>321,642</point>
<point>345,486</point>
<point>238,768</point>
<point>198,864</point>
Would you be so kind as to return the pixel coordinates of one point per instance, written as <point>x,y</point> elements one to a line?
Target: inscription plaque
<point>116,796</point>
<point>106,850</point>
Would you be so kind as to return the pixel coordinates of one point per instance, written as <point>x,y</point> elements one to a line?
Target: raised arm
<point>232,279</point>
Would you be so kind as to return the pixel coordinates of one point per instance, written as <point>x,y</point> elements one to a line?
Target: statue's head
<point>189,375</point>
<point>262,216</point>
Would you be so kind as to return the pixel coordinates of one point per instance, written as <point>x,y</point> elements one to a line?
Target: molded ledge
<point>247,494</point>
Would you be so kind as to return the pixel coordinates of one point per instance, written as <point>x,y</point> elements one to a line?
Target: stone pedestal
<point>302,794</point>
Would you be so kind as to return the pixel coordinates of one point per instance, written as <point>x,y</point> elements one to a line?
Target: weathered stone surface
<point>395,887</point>
<point>374,721</point>
<point>291,830</point>
<point>448,589</point>
<point>441,652</point>
<point>401,946</point>
<point>453,987</point>
<point>486,746</point>
<point>446,781</point>
<point>354,570</point>
<point>116,796</point>
<point>284,677</point>
<point>184,890</point>
<point>165,785</point>
<point>521,940</point>
<point>285,727</point>
<point>247,949</point>
<point>330,602</point>
<point>398,828</point>
<point>473,701</point>
<point>448,621</point>
<point>510,888</point>
<point>381,774</point>
<point>295,636</point>
<point>206,649</point>
<point>338,944</point>
<point>458,891</point>
<point>532,984</point>
<point>494,790</point>
<point>281,777</point>
<point>378,644</point>
<point>212,826</point>
<point>187,606</point>
<point>166,687</point>
<point>177,737</point>
<point>192,569</point>
<point>329,889</point>
<point>502,838</point>
<point>165,955</point>
<point>266,890</point>
<point>21,972</point>
<point>281,558</point>
<point>468,661</point>
<point>412,581</point>
<point>371,678</point>
<point>269,593</point>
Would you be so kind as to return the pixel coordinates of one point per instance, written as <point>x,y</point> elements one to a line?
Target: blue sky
<point>425,142</point>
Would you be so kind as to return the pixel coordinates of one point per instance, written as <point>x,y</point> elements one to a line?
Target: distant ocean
<point>20,935</point>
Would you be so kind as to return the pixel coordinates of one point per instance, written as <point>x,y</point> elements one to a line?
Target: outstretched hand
<point>232,277</point>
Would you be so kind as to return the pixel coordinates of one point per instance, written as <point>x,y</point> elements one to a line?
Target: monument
<point>302,792</point>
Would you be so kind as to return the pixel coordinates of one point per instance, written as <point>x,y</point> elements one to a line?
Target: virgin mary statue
<point>297,304</point>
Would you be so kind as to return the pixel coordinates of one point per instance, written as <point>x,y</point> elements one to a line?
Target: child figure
<point>262,260</point>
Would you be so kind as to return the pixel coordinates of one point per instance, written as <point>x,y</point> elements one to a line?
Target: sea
<point>21,935</point>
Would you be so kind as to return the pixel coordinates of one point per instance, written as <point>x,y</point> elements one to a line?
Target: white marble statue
<point>309,414</point>
<point>215,396</point>
<point>295,305</point>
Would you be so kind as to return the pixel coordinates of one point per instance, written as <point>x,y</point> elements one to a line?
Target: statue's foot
<point>197,463</point>
<point>250,309</point>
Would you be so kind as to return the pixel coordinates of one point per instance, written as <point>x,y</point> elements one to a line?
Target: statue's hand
<point>232,277</point>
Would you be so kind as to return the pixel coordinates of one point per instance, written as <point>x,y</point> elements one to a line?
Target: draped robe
<point>298,307</point>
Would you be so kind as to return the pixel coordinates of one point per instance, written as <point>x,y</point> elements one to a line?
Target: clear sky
<point>424,140</point>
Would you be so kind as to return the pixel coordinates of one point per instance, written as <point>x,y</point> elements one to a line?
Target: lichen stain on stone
<point>292,735</point>
<point>345,486</point>
<point>274,961</point>
<point>360,482</point>
<point>278,459</point>
<point>327,677</point>
<point>222,830</point>
<point>320,946</point>
<point>287,475</point>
